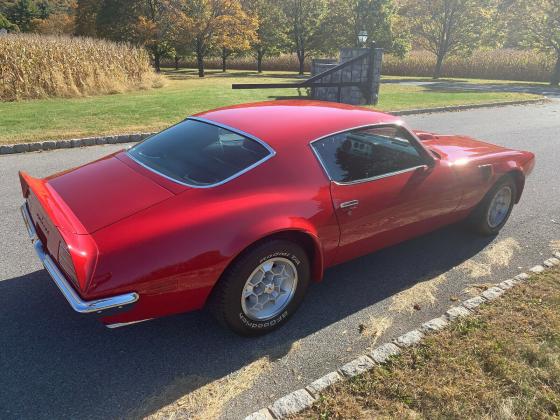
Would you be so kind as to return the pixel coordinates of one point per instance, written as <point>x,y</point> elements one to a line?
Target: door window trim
<point>416,143</point>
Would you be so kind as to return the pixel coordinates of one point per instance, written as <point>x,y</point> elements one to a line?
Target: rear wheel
<point>262,288</point>
<point>494,210</point>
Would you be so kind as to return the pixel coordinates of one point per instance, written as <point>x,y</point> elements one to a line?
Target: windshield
<point>197,153</point>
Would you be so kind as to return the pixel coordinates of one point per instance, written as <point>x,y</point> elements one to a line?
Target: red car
<point>240,208</point>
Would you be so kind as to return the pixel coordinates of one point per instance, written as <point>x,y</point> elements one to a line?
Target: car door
<point>385,186</point>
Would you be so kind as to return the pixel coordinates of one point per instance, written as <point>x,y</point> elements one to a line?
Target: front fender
<point>480,174</point>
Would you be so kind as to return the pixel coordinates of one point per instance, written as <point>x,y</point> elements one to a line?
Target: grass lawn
<point>183,95</point>
<point>503,363</point>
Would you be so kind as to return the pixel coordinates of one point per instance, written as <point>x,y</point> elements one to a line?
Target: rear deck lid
<point>104,192</point>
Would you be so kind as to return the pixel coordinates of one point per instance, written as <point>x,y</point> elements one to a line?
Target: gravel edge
<point>136,137</point>
<point>304,398</point>
<point>40,146</point>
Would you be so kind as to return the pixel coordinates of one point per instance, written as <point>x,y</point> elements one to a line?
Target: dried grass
<point>201,398</point>
<point>38,66</point>
<point>420,295</point>
<point>497,255</point>
<point>502,363</point>
<point>208,398</point>
<point>375,326</point>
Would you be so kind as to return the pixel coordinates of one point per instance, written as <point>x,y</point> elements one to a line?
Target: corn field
<point>36,66</point>
<point>500,64</point>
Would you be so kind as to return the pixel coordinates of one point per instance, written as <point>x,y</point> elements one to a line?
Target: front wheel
<point>494,210</point>
<point>262,288</point>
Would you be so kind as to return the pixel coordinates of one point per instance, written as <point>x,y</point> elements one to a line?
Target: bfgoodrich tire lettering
<point>226,300</point>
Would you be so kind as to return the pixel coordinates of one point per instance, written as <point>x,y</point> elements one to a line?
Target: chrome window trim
<point>398,123</point>
<point>387,175</point>
<point>75,301</point>
<point>271,154</point>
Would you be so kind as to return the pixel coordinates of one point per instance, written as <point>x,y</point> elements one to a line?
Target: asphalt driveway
<point>56,364</point>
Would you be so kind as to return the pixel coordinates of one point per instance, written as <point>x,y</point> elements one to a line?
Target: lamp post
<point>362,38</point>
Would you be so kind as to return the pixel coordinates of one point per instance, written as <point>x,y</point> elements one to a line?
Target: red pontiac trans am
<point>239,208</point>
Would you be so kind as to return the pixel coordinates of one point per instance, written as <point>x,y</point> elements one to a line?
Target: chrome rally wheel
<point>269,289</point>
<point>493,211</point>
<point>262,288</point>
<point>499,206</point>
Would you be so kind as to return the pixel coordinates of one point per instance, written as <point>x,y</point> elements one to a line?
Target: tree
<point>6,24</point>
<point>117,20</point>
<point>539,24</point>
<point>305,27</point>
<point>271,35</point>
<point>209,19</point>
<point>55,17</point>
<point>21,13</point>
<point>447,27</point>
<point>236,32</point>
<point>55,24</point>
<point>379,18</point>
<point>86,17</point>
<point>156,26</point>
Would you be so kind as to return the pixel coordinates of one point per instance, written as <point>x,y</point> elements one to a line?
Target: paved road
<point>55,364</point>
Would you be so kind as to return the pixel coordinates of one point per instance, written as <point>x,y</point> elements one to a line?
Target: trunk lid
<point>104,192</point>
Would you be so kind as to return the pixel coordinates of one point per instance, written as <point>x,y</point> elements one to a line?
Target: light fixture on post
<point>362,38</point>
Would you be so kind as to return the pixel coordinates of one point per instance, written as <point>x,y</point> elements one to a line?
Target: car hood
<point>453,148</point>
<point>106,191</point>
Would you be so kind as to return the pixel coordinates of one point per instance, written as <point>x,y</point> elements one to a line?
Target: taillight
<point>66,263</point>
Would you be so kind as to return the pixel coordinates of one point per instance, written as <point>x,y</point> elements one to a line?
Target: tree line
<point>200,28</point>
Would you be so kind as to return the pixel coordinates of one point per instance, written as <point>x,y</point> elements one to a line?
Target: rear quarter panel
<point>173,253</point>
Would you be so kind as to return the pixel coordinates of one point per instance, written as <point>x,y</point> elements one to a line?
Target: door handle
<point>349,204</point>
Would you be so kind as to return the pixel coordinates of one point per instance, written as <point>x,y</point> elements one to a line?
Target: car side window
<point>367,153</point>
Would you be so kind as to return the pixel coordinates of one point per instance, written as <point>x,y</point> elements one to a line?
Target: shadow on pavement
<point>444,85</point>
<point>56,364</point>
<point>185,74</point>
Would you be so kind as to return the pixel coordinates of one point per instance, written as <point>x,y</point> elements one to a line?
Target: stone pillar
<point>367,72</point>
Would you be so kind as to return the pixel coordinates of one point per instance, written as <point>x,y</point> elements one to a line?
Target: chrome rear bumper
<point>76,302</point>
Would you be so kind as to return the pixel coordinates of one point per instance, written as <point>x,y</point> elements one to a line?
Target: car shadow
<point>57,364</point>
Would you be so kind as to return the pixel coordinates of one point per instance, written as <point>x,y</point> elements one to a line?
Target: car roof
<point>289,123</point>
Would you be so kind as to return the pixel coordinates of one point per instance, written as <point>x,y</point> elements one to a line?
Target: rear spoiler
<point>55,207</point>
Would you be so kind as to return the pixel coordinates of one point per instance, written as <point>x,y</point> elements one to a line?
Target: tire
<point>481,219</point>
<point>241,314</point>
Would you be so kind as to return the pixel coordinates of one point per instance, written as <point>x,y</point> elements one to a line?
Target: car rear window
<point>199,154</point>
